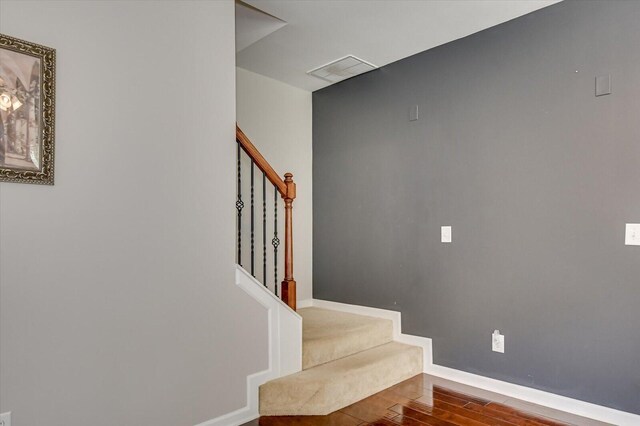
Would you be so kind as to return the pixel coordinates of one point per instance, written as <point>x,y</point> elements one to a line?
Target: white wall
<point>277,119</point>
<point>118,304</point>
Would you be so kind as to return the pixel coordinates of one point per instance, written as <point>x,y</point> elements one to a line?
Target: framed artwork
<point>27,111</point>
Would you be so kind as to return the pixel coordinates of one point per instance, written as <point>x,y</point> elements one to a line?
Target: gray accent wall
<point>536,175</point>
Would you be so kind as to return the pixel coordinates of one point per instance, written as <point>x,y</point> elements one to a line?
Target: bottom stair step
<point>329,387</point>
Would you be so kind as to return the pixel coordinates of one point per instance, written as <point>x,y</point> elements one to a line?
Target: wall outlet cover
<point>632,234</point>
<point>5,419</point>
<point>445,234</point>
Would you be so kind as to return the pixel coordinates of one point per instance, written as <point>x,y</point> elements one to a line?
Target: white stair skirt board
<point>285,348</point>
<point>535,396</point>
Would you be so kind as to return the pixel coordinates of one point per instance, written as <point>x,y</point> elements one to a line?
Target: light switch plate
<point>445,234</point>
<point>5,419</point>
<point>603,85</point>
<point>632,234</point>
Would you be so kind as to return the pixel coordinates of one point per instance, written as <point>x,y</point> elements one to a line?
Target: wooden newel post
<point>289,284</point>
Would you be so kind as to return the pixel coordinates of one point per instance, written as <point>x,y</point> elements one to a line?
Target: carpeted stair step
<point>330,335</point>
<point>334,385</point>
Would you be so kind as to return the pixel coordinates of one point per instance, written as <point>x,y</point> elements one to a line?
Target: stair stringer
<point>285,348</point>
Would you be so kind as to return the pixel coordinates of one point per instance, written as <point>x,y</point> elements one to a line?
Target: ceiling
<point>253,24</point>
<point>293,37</point>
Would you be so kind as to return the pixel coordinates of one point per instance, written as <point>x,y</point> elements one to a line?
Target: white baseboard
<point>249,411</point>
<point>285,348</point>
<point>535,396</point>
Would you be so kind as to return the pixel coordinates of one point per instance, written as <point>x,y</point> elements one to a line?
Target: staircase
<point>345,358</point>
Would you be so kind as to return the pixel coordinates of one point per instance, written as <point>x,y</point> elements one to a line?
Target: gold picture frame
<point>27,111</point>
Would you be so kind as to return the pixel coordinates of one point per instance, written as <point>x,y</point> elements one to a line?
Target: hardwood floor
<point>429,400</point>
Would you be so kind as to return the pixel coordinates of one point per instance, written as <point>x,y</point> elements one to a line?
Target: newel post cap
<point>291,186</point>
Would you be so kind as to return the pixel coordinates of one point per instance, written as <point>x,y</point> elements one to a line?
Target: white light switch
<point>445,234</point>
<point>632,234</point>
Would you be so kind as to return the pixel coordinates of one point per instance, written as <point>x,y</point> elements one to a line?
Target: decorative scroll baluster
<point>264,229</point>
<point>252,222</point>
<point>275,242</point>
<point>239,207</point>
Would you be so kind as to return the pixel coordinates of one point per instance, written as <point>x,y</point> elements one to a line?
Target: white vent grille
<point>342,69</point>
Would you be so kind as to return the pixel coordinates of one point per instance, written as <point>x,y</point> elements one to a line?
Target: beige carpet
<point>347,357</point>
<point>329,335</point>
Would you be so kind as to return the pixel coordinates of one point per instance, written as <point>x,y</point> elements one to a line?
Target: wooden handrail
<point>287,189</point>
<point>260,161</point>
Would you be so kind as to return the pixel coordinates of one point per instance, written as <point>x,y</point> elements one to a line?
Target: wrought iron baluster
<point>239,207</point>
<point>264,229</point>
<point>252,222</point>
<point>275,241</point>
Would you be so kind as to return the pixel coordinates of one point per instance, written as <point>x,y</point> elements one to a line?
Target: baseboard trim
<point>535,396</point>
<point>248,412</point>
<point>285,348</point>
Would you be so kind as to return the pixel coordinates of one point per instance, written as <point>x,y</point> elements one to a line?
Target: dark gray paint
<point>536,175</point>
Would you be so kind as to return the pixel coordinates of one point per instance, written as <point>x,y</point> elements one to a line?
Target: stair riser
<point>319,353</point>
<point>330,335</point>
<point>348,385</point>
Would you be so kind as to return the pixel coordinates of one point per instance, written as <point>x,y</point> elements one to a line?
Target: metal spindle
<point>275,241</point>
<point>264,229</point>
<point>239,207</point>
<point>252,222</point>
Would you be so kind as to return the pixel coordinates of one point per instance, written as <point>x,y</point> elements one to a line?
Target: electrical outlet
<point>497,342</point>
<point>5,419</point>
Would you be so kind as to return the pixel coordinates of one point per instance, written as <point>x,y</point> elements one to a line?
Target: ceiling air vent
<point>342,69</point>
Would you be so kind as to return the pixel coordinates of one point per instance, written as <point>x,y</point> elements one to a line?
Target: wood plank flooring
<point>429,400</point>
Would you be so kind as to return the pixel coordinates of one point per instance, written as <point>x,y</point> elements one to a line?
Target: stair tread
<point>329,335</point>
<point>350,365</point>
<point>331,386</point>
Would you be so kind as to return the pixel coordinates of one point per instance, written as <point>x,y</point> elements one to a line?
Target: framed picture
<point>27,111</point>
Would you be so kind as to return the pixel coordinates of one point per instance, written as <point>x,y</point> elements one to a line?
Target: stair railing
<point>287,190</point>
